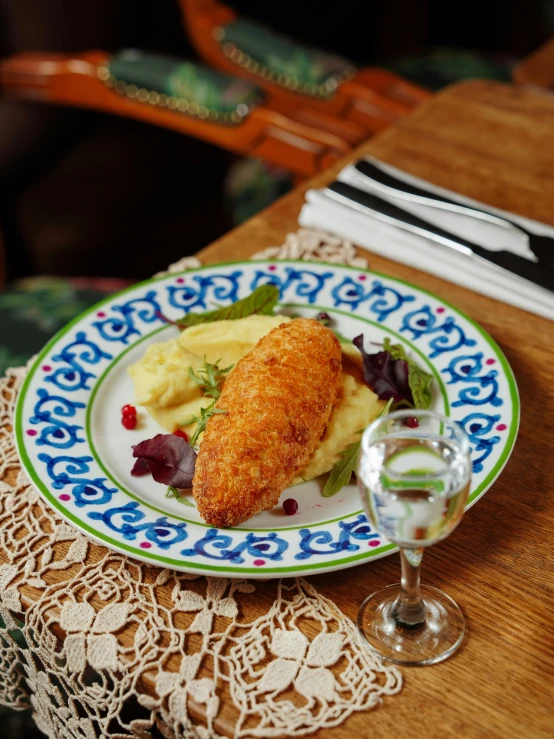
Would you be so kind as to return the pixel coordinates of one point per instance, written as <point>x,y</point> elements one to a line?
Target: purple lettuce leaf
<point>140,468</point>
<point>170,458</point>
<point>387,377</point>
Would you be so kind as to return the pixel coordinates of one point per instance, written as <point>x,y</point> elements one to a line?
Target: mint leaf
<point>420,382</point>
<point>262,302</point>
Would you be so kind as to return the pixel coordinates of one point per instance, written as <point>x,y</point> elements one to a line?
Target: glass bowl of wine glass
<point>414,474</point>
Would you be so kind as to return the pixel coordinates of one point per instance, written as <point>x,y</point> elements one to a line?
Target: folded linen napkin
<point>322,211</point>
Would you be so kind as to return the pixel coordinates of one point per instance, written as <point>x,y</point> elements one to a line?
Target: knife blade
<point>542,247</point>
<point>393,215</point>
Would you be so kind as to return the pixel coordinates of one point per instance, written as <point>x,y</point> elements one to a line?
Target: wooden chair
<point>186,97</point>
<point>296,75</point>
<point>538,68</point>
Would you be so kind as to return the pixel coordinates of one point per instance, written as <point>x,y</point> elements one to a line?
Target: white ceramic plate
<point>74,449</point>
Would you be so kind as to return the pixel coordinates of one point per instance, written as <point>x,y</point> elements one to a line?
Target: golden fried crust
<point>278,400</point>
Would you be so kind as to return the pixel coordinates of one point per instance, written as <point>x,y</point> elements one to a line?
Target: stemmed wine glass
<point>414,474</point>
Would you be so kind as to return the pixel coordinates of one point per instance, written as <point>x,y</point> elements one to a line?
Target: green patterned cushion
<point>281,60</point>
<point>33,309</point>
<point>186,86</point>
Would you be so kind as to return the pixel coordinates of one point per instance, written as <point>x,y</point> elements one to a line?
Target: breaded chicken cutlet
<point>277,403</point>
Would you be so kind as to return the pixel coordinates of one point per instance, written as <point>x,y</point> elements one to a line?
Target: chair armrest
<point>296,74</point>
<point>180,95</point>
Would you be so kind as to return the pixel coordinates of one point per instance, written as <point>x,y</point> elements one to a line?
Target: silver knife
<point>393,215</point>
<point>541,246</point>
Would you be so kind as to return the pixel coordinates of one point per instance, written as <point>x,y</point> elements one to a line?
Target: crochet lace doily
<point>102,646</point>
<point>312,244</point>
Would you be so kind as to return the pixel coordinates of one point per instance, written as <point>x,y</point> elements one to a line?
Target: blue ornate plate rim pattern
<point>270,546</point>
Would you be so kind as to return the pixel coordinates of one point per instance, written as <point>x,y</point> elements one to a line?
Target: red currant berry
<point>323,317</point>
<point>290,506</point>
<point>129,410</point>
<point>411,422</point>
<point>181,433</point>
<point>129,422</point>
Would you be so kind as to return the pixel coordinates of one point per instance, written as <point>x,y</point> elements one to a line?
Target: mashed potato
<point>163,385</point>
<point>225,342</point>
<point>355,408</point>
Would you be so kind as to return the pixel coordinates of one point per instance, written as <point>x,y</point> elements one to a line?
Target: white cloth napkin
<point>322,211</point>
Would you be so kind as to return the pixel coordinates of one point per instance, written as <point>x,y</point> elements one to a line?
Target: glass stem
<point>410,609</point>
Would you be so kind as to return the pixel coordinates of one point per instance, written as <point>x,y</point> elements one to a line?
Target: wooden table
<point>494,143</point>
<point>538,68</point>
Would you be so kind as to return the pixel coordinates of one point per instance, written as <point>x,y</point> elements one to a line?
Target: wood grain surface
<point>494,143</point>
<point>538,68</point>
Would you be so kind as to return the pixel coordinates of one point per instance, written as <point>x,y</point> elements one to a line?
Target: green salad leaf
<point>385,410</point>
<point>262,302</point>
<point>342,471</point>
<point>419,381</point>
<point>173,492</point>
<point>343,339</point>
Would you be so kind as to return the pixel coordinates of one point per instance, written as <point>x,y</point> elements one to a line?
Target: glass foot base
<point>435,639</point>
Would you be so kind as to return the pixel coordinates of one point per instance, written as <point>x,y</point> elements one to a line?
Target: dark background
<point>82,193</point>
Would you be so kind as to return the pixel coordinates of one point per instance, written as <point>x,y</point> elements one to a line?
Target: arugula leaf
<point>262,302</point>
<point>209,378</point>
<point>201,421</point>
<point>341,473</point>
<point>419,381</point>
<point>173,492</point>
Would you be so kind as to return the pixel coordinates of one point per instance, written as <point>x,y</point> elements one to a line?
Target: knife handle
<point>402,218</point>
<point>399,188</point>
<point>395,216</point>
